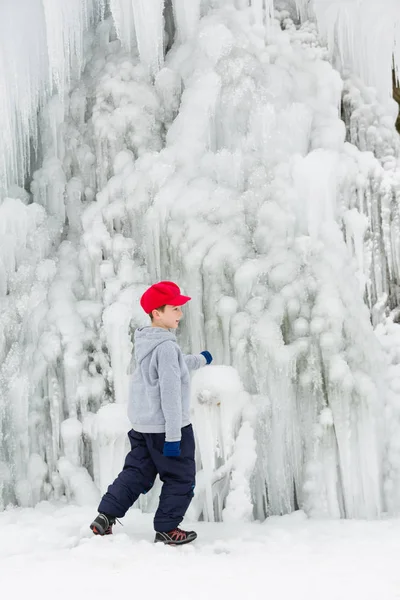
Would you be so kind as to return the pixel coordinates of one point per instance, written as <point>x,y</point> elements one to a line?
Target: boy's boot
<point>102,525</point>
<point>176,537</point>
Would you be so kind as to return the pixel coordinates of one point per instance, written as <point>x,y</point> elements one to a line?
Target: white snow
<point>50,550</point>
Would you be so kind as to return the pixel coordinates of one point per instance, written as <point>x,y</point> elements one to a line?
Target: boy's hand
<point>207,356</point>
<point>172,449</point>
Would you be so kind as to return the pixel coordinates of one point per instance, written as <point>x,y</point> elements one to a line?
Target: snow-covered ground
<point>49,552</point>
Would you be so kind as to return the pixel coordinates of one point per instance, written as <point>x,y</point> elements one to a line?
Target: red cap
<point>159,294</point>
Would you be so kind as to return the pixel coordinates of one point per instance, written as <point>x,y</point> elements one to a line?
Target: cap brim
<point>180,300</point>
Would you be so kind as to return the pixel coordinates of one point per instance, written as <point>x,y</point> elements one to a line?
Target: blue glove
<point>207,356</point>
<point>172,449</point>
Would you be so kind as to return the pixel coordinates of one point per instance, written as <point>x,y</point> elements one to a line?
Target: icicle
<point>149,26</point>
<point>71,434</point>
<point>23,81</point>
<point>304,9</point>
<point>263,11</point>
<point>116,320</point>
<point>65,25</point>
<point>238,503</point>
<point>51,54</point>
<point>122,12</point>
<point>344,25</point>
<point>186,15</point>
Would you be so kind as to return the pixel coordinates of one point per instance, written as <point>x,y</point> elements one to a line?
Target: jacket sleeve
<point>194,361</point>
<point>169,375</point>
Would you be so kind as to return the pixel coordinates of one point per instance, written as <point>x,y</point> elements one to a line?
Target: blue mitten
<point>172,449</point>
<point>207,356</point>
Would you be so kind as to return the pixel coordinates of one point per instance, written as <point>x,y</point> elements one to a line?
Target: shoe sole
<point>181,543</point>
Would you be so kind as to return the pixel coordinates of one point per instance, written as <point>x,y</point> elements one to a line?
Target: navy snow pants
<point>141,466</point>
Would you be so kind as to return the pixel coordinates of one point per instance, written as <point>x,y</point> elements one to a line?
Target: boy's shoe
<point>102,525</point>
<point>176,537</point>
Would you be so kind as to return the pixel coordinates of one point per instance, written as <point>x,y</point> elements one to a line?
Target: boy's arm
<point>194,361</point>
<point>169,374</point>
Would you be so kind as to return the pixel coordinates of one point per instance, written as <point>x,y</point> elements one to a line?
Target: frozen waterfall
<point>225,145</point>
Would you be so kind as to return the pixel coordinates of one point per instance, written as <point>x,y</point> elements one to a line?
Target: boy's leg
<point>137,477</point>
<point>178,476</point>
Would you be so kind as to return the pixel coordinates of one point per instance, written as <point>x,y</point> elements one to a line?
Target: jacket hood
<point>148,338</point>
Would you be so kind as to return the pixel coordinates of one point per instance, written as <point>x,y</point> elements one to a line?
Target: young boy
<point>161,437</point>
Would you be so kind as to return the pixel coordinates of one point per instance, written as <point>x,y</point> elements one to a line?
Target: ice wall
<point>221,162</point>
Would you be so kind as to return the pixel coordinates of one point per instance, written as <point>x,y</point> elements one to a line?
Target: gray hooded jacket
<point>159,393</point>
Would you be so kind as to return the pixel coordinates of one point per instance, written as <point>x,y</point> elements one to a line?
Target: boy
<point>161,437</point>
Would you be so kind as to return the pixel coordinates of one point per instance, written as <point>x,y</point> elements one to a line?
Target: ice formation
<point>208,148</point>
<point>362,35</point>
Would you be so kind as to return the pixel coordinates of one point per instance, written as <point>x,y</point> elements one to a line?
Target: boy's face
<point>169,319</point>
